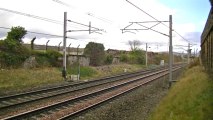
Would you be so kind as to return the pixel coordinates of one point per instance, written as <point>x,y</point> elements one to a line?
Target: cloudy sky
<point>189,18</point>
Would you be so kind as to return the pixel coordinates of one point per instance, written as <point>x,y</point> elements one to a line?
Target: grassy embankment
<point>189,99</point>
<point>17,80</point>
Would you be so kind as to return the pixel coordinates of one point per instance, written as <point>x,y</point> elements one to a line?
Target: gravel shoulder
<point>137,105</point>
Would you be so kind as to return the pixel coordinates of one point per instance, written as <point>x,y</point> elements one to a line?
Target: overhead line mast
<point>91,30</point>
<point>151,28</point>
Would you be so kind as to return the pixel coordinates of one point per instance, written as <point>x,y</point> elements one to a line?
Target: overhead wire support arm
<point>128,26</point>
<point>145,12</point>
<point>127,31</point>
<point>90,30</point>
<point>149,21</point>
<point>149,28</point>
<point>82,24</point>
<point>155,19</point>
<point>135,29</point>
<point>82,30</point>
<point>154,25</point>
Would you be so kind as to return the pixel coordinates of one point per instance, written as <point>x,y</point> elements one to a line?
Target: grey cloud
<point>193,36</point>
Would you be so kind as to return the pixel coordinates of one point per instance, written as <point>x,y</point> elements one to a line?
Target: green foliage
<point>12,54</point>
<point>108,59</point>
<point>19,80</point>
<point>16,34</point>
<point>53,57</point>
<point>158,57</point>
<point>138,56</point>
<point>189,99</point>
<point>85,72</point>
<point>41,58</point>
<point>96,53</point>
<point>11,60</point>
<point>134,57</point>
<point>47,58</point>
<point>124,58</point>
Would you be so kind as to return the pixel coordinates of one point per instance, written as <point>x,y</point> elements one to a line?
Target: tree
<point>12,53</point>
<point>96,53</point>
<point>16,34</point>
<point>134,44</point>
<point>137,57</point>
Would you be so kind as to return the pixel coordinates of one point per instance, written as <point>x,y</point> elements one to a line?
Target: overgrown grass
<point>19,80</point>
<point>16,80</point>
<point>116,69</point>
<point>85,72</point>
<point>189,99</point>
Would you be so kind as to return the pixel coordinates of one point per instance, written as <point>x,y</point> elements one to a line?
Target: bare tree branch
<point>134,44</point>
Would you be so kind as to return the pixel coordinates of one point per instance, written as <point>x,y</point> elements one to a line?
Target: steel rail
<point>76,113</point>
<point>49,95</point>
<point>29,113</point>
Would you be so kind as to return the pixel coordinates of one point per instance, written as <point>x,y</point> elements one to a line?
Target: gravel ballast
<point>136,105</point>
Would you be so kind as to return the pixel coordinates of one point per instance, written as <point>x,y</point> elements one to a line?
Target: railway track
<point>28,97</point>
<point>97,89</point>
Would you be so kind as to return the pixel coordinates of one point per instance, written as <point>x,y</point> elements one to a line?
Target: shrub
<point>108,59</point>
<point>53,57</point>
<point>47,58</point>
<point>12,54</point>
<point>137,57</point>
<point>124,58</point>
<point>96,53</point>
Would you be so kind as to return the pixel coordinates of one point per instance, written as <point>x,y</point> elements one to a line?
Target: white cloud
<point>111,15</point>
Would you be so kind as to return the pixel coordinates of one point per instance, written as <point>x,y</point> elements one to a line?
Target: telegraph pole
<point>170,50</point>
<point>47,44</point>
<point>188,55</point>
<point>146,55</point>
<point>64,71</point>
<point>91,29</point>
<point>78,63</point>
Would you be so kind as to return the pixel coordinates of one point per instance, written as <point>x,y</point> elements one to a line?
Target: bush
<point>137,57</point>
<point>108,59</point>
<point>96,53</point>
<point>12,54</point>
<point>124,58</point>
<point>53,57</point>
<point>11,60</point>
<point>47,58</point>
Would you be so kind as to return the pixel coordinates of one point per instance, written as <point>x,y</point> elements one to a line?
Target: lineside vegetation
<point>189,99</point>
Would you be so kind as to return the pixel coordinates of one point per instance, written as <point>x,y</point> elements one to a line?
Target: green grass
<point>85,72</point>
<point>16,80</point>
<point>189,99</point>
<point>19,80</point>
